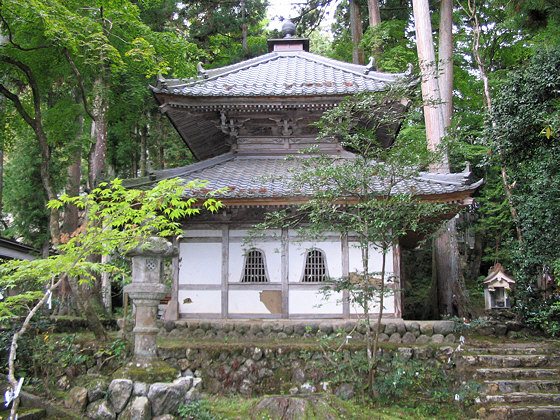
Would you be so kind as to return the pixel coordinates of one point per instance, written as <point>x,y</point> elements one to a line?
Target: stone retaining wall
<point>397,331</point>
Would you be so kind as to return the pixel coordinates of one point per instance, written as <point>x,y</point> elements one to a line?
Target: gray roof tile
<point>269,177</point>
<point>298,73</point>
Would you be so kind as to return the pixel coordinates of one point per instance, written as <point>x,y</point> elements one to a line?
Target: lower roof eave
<point>460,199</point>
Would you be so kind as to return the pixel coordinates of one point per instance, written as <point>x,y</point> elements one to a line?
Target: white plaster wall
<point>272,255</point>
<point>388,306</point>
<point>246,302</point>
<point>297,251</point>
<point>200,263</point>
<point>375,264</point>
<point>201,301</point>
<point>313,302</point>
<point>375,259</point>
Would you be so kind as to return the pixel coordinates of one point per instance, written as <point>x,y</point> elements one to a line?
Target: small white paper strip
<point>49,299</point>
<point>11,395</point>
<point>462,340</point>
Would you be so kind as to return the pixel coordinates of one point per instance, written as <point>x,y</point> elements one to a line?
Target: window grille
<point>315,270</point>
<point>254,270</point>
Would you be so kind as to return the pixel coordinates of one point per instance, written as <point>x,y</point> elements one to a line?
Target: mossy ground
<point>237,408</point>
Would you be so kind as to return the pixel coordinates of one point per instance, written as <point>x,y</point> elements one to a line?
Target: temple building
<point>240,122</point>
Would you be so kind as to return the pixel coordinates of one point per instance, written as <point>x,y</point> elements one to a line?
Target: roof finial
<point>288,29</point>
<point>370,66</point>
<point>200,71</point>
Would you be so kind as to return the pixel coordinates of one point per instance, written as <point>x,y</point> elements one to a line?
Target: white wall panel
<point>200,263</point>
<point>248,302</point>
<point>298,250</point>
<point>201,301</point>
<point>375,259</point>
<point>313,302</point>
<point>272,256</point>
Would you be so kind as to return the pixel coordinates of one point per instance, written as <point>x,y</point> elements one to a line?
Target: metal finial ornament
<point>288,29</point>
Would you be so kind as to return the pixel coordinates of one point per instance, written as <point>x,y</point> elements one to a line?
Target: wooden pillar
<point>345,273</point>
<point>285,273</point>
<point>225,271</point>
<point>397,284</point>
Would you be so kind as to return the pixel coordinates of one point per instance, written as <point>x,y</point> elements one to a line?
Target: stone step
<point>508,361</point>
<point>513,412</point>
<point>25,413</point>
<point>521,385</point>
<point>507,350</point>
<point>517,373</point>
<point>524,398</point>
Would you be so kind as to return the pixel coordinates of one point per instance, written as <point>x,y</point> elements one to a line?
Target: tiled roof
<point>256,177</point>
<point>295,73</point>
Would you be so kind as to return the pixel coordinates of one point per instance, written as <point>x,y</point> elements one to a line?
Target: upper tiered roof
<point>281,73</point>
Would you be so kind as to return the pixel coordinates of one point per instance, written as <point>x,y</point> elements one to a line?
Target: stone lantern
<point>496,288</point>
<point>146,290</point>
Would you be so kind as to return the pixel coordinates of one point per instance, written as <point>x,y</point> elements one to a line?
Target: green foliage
<point>527,104</point>
<point>196,410</point>
<point>119,220</point>
<point>423,385</point>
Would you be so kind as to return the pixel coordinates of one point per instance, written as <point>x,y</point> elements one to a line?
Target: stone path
<point>520,380</point>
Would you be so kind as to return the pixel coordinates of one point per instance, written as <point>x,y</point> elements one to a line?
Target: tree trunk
<point>445,64</point>
<point>374,20</point>
<point>244,29</point>
<point>430,88</point>
<point>98,153</point>
<point>73,179</point>
<point>374,15</point>
<point>438,106</point>
<point>356,32</point>
<point>143,133</point>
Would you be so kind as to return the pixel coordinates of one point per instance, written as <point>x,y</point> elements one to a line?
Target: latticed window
<point>254,270</point>
<point>315,270</point>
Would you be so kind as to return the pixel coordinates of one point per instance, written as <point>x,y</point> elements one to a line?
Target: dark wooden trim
<point>397,281</point>
<point>184,315</point>
<point>285,272</point>
<point>200,287</point>
<point>253,316</point>
<point>255,286</point>
<point>345,272</point>
<point>202,239</point>
<point>225,269</point>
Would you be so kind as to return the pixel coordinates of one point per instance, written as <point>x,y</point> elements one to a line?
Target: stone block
<point>326,328</point>
<point>450,338</point>
<point>390,328</point>
<point>138,409</point>
<point>165,397</point>
<point>427,328</point>
<point>119,393</point>
<point>444,327</point>
<point>395,338</point>
<point>423,339</point>
<point>140,389</point>
<point>423,353</point>
<point>77,399</point>
<point>405,352</point>
<point>408,338</point>
<point>383,338</point>
<point>437,338</point>
<point>101,410</point>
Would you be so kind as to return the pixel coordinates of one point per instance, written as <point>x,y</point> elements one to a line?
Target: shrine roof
<point>280,73</point>
<point>268,177</point>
